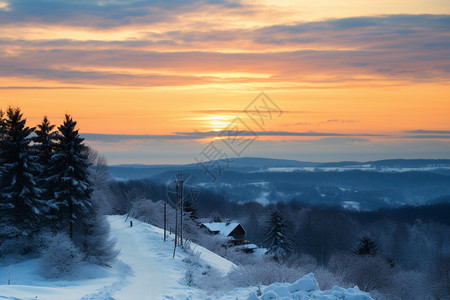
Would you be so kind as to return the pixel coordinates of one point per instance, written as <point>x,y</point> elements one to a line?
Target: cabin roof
<point>248,246</point>
<point>222,228</point>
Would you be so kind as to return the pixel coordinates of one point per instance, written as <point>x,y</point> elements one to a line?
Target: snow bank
<point>307,288</point>
<point>210,258</point>
<point>307,283</point>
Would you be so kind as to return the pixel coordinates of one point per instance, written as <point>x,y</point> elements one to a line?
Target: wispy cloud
<point>376,50</point>
<point>42,88</point>
<point>427,134</point>
<point>109,14</point>
<point>338,121</point>
<point>198,135</point>
<point>241,111</point>
<point>326,136</point>
<point>421,131</point>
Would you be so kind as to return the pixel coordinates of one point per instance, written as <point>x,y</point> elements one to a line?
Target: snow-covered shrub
<point>193,264</point>
<point>202,276</point>
<point>150,212</point>
<point>240,258</point>
<point>13,248</point>
<point>211,280</point>
<point>340,264</point>
<point>368,272</point>
<point>409,285</point>
<point>304,261</point>
<point>371,273</point>
<point>214,243</point>
<point>266,272</point>
<point>439,276</point>
<point>99,177</point>
<point>95,243</point>
<point>60,257</point>
<point>191,272</point>
<point>327,279</point>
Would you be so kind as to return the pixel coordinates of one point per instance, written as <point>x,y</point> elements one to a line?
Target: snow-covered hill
<point>145,269</point>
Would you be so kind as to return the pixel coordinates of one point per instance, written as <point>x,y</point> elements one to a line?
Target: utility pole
<point>165,222</point>
<point>181,181</point>
<point>176,221</point>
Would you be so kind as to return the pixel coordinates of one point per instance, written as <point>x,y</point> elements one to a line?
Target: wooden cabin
<point>228,229</point>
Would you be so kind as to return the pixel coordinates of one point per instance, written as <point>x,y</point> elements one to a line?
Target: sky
<point>165,82</point>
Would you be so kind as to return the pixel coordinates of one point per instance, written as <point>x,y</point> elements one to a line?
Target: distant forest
<point>403,244</point>
<point>365,190</point>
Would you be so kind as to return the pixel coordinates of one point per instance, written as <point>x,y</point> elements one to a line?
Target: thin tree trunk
<point>70,219</point>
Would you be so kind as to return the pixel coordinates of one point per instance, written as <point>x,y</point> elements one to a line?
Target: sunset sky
<point>154,82</point>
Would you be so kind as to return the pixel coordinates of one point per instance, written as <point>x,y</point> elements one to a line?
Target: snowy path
<point>155,274</point>
<point>144,270</point>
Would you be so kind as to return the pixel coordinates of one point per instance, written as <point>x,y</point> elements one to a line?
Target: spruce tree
<point>20,204</point>
<point>44,143</point>
<point>189,209</point>
<point>366,246</point>
<point>2,126</point>
<point>2,135</point>
<point>2,138</point>
<point>70,167</point>
<point>277,239</point>
<point>6,228</point>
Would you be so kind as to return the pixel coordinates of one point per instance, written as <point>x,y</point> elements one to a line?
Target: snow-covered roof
<point>248,246</point>
<point>222,228</point>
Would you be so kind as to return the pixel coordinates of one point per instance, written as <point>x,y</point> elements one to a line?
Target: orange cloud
<point>158,67</point>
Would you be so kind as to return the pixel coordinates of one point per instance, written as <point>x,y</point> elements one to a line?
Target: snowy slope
<point>145,269</point>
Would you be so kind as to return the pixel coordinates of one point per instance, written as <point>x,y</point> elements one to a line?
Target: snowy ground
<point>145,269</point>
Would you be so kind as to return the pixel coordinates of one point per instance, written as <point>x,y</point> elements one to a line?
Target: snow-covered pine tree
<point>2,126</point>
<point>277,239</point>
<point>6,228</point>
<point>2,135</point>
<point>44,143</point>
<point>94,241</point>
<point>71,187</point>
<point>366,246</point>
<point>20,204</point>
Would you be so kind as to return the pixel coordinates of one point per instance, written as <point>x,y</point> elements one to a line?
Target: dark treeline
<point>370,190</point>
<point>46,191</point>
<point>206,202</point>
<point>438,212</point>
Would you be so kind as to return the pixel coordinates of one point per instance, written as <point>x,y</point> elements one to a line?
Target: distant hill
<point>243,164</point>
<point>352,185</point>
<point>252,164</point>
<point>129,172</point>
